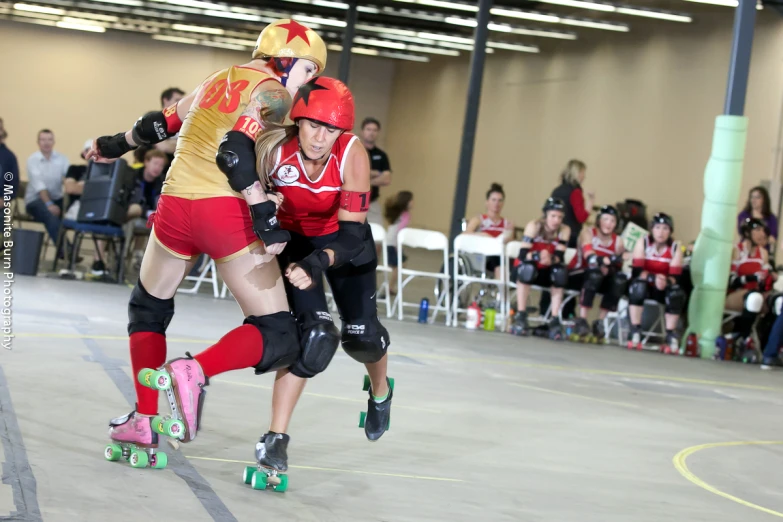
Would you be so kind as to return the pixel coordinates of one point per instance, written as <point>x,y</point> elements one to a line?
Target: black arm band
<point>636,271</point>
<point>113,146</point>
<point>523,253</point>
<point>151,128</point>
<point>527,239</point>
<point>236,158</point>
<point>349,242</point>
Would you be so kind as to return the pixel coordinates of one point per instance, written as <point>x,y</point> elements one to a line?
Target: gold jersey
<point>217,106</point>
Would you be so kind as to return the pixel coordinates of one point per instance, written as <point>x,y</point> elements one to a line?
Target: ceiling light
<point>537,32</point>
<point>81,27</point>
<point>514,47</point>
<point>365,9</point>
<point>654,14</point>
<point>175,39</point>
<point>378,43</point>
<point>134,3</point>
<point>409,57</point>
<point>197,29</point>
<point>445,38</point>
<point>198,4</point>
<point>82,21</point>
<point>38,16</point>
<point>362,50</point>
<point>328,3</point>
<point>432,50</point>
<point>235,16</point>
<point>462,47</point>
<point>382,29</point>
<point>467,22</point>
<point>39,9</point>
<point>222,45</point>
<point>317,20</point>
<point>725,3</point>
<point>525,15</point>
<point>94,16</point>
<point>449,5</point>
<point>595,25</point>
<point>412,39</point>
<point>582,5</point>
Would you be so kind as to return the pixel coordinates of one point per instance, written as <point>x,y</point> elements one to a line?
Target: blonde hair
<point>267,142</point>
<point>570,174</point>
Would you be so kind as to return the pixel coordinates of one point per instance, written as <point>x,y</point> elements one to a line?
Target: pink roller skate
<point>134,439</point>
<point>183,381</point>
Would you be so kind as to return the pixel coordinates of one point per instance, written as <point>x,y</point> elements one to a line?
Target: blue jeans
<point>40,213</point>
<point>775,339</point>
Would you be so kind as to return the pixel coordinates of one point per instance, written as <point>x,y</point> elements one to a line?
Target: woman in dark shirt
<point>570,191</point>
<point>758,206</point>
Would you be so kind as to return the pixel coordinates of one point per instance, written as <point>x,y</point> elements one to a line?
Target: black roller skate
<point>272,458</point>
<point>377,419</point>
<point>555,329</point>
<point>598,331</point>
<point>519,326</point>
<point>581,331</point>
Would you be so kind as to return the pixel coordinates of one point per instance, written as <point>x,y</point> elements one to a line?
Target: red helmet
<point>325,100</point>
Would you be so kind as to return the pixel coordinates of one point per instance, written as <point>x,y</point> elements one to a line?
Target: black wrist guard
<point>265,224</point>
<point>113,147</point>
<point>314,266</point>
<point>523,253</point>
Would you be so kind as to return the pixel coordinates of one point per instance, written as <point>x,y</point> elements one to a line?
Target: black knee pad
<point>675,299</point>
<point>319,339</point>
<point>619,286</point>
<point>366,341</point>
<point>147,313</point>
<point>637,292</point>
<point>593,280</point>
<point>527,272</point>
<point>559,276</point>
<point>281,340</point>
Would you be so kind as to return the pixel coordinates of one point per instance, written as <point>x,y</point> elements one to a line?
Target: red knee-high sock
<point>240,348</point>
<point>147,350</point>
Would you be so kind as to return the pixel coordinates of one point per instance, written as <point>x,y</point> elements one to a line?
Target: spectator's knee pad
<point>775,303</point>
<point>319,339</point>
<point>527,272</point>
<point>619,285</point>
<point>281,340</point>
<point>366,341</point>
<point>147,313</point>
<point>559,276</point>
<point>675,299</point>
<point>637,292</point>
<point>593,280</point>
<point>754,302</point>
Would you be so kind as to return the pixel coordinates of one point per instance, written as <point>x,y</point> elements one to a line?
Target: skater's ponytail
<point>267,142</point>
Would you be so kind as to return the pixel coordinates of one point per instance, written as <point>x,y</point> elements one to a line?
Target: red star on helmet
<point>295,29</point>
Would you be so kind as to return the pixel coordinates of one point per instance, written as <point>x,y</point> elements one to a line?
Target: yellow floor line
<point>577,395</point>
<point>679,461</point>
<point>333,397</point>
<point>338,470</point>
<point>594,371</point>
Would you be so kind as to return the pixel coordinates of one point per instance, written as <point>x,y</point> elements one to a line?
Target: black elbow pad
<point>151,128</point>
<point>236,158</point>
<point>349,242</point>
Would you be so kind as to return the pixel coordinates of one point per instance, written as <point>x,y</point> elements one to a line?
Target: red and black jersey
<point>492,228</point>
<point>310,206</point>
<point>544,242</point>
<point>598,247</point>
<point>658,262</point>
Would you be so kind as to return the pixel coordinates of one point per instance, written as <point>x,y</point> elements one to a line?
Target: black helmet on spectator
<point>662,218</point>
<point>554,204</point>
<point>752,223</point>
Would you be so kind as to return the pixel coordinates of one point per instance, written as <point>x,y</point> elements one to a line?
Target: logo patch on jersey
<point>288,174</point>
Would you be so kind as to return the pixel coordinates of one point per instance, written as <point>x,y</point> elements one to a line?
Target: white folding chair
<point>429,240</point>
<point>484,246</point>
<point>658,328</point>
<point>379,236</point>
<point>207,273</point>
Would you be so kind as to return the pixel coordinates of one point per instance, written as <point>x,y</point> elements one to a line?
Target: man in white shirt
<point>45,173</point>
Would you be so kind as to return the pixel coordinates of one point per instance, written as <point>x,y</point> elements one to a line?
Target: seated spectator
<point>657,269</point>
<point>74,184</point>
<point>597,268</point>
<point>8,162</point>
<point>759,207</point>
<point>570,192</point>
<point>540,263</point>
<point>492,224</point>
<point>771,356</point>
<point>750,275</point>
<point>397,212</point>
<point>43,199</point>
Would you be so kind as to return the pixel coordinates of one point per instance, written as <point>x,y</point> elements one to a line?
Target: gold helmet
<point>289,39</point>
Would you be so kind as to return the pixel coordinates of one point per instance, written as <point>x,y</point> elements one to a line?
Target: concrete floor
<point>485,426</point>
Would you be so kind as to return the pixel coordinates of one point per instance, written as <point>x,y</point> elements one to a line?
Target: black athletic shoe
<point>271,451</point>
<point>378,415</point>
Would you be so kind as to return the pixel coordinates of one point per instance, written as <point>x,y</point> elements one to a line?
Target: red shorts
<point>220,227</point>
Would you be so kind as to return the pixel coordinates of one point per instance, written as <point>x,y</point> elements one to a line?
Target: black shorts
<point>353,287</point>
<point>655,294</point>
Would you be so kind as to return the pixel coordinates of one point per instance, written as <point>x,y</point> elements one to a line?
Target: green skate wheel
<point>174,428</point>
<point>159,461</point>
<point>391,383</point>
<point>280,488</point>
<point>113,452</point>
<point>145,377</point>
<point>247,475</point>
<point>362,418</point>
<point>138,459</point>
<point>259,480</point>
<point>366,385</point>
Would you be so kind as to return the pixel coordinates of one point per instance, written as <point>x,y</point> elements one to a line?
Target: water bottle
<point>489,319</point>
<point>473,318</point>
<point>692,346</point>
<point>424,310</point>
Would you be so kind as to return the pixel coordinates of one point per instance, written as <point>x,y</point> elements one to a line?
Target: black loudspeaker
<point>107,191</point>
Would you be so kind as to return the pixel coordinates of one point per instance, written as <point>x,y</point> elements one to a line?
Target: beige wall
<point>638,108</point>
<point>82,85</point>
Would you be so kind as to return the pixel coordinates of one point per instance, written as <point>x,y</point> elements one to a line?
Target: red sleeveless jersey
<point>750,261</point>
<point>492,228</point>
<point>540,243</point>
<point>310,206</point>
<point>658,262</point>
<point>579,261</point>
